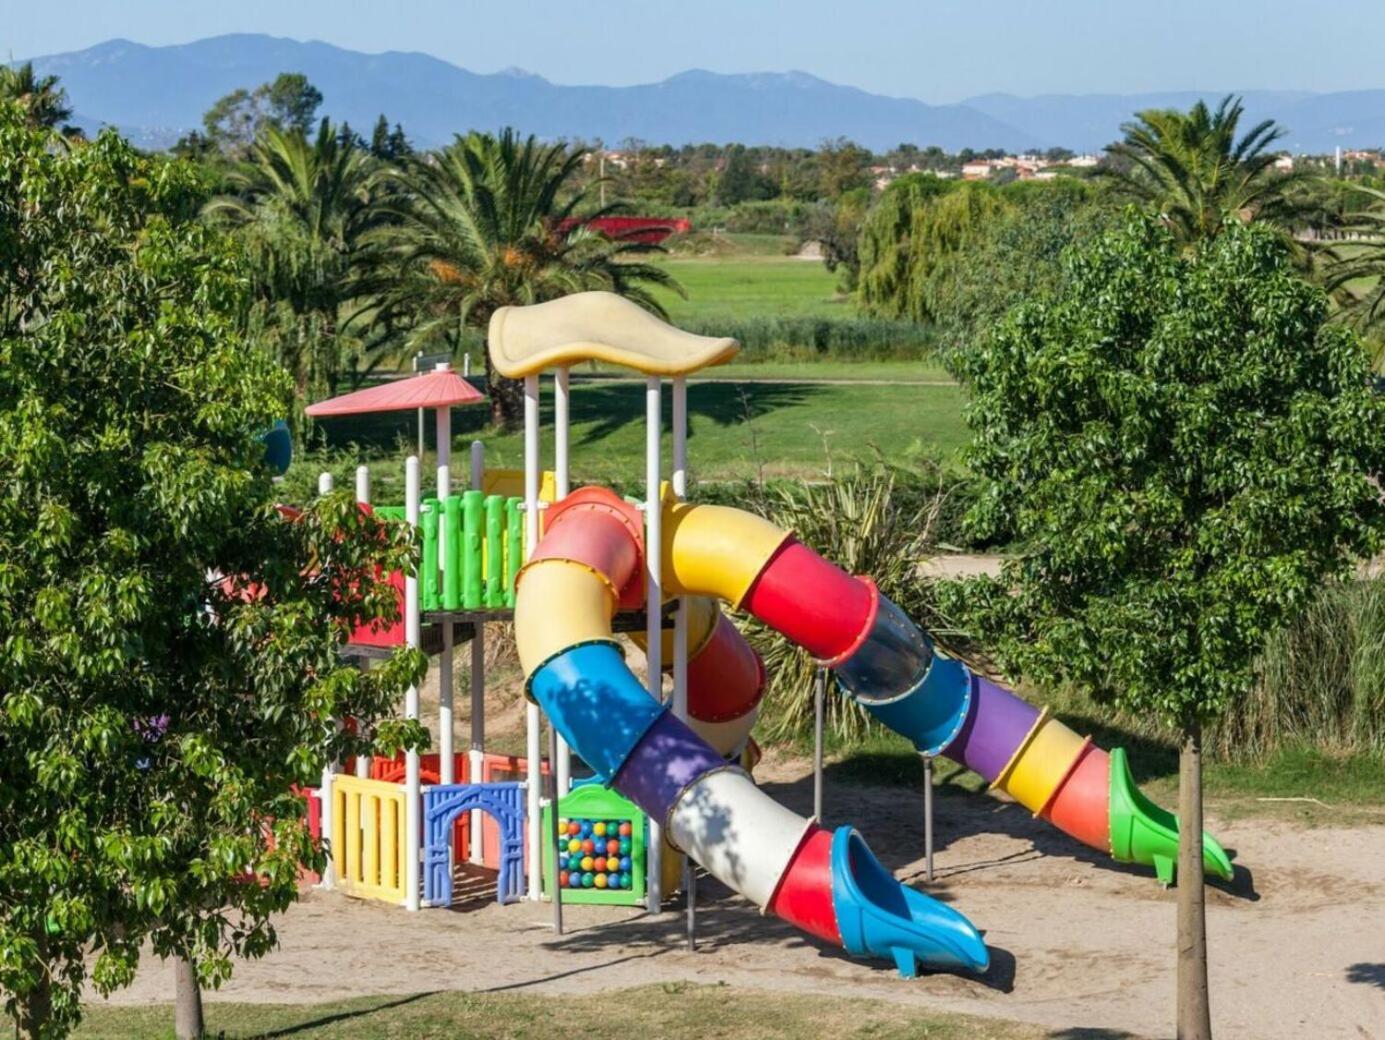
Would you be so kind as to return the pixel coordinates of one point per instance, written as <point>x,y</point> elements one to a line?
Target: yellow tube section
<point>577,607</point>
<point>715,550</point>
<point>702,620</point>
<point>1041,763</point>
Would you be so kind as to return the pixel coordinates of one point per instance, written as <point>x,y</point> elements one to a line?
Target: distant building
<point>1285,163</point>
<point>976,171</point>
<point>1084,162</point>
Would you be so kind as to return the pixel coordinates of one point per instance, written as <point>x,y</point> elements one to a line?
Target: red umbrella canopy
<point>441,388</point>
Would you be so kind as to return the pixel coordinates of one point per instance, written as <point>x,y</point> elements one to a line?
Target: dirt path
<point>1079,944</point>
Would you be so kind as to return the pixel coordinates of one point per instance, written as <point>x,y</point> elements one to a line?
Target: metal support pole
<point>553,799</point>
<point>531,714</point>
<point>928,816</point>
<point>476,755</point>
<point>653,603</point>
<point>446,768</point>
<point>413,637</point>
<point>680,625</point>
<point>819,708</point>
<point>562,760</point>
<point>363,496</point>
<point>324,790</point>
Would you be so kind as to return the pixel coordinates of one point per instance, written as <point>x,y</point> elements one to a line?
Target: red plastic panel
<point>1082,805</point>
<point>727,678</point>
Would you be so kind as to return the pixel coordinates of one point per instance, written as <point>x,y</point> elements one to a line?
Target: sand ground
<point>1079,944</point>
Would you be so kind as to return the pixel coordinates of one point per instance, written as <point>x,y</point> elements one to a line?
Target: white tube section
<point>531,714</point>
<point>737,832</point>
<point>412,636</point>
<point>653,603</point>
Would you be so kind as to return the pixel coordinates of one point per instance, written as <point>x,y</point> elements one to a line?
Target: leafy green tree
<point>1356,268</point>
<point>836,227</point>
<point>169,665</point>
<point>1191,169</point>
<point>43,101</point>
<point>916,229</point>
<point>1182,449</point>
<point>491,221</point>
<point>1016,257</point>
<point>389,145</point>
<point>841,166</point>
<point>302,209</point>
<point>288,103</point>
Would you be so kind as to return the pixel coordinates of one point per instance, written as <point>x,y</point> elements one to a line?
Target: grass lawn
<point>754,288</point>
<point>736,431</point>
<point>672,1011</point>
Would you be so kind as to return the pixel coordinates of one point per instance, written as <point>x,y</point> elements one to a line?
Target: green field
<point>736,431</point>
<point>829,370</point>
<point>754,288</point>
<point>671,1011</point>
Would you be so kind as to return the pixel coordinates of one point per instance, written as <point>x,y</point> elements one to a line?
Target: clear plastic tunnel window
<point>892,661</point>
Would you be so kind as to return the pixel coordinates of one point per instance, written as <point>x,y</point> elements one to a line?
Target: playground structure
<point>571,569</point>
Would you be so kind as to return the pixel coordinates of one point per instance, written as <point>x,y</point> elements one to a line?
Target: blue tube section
<point>596,703</point>
<point>879,917</point>
<point>933,712</point>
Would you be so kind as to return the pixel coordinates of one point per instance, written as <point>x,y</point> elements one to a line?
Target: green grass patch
<point>828,370</point>
<point>746,288</point>
<point>671,1011</point>
<point>736,432</point>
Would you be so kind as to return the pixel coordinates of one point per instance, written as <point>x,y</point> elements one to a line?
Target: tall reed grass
<point>810,339</point>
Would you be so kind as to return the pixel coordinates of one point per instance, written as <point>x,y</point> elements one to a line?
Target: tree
<point>302,209</point>
<point>1015,257</point>
<point>169,665</point>
<point>911,235</point>
<point>288,103</point>
<point>841,167</point>
<point>1356,270</point>
<point>836,227</point>
<point>1191,169</point>
<point>389,145</point>
<point>43,101</point>
<point>1181,447</point>
<point>491,221</point>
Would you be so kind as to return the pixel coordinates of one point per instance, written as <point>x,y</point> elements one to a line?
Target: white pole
<point>531,715</point>
<point>680,624</point>
<point>324,791</point>
<point>446,771</point>
<point>412,636</point>
<point>363,496</point>
<point>561,429</point>
<point>653,602</point>
<point>476,756</point>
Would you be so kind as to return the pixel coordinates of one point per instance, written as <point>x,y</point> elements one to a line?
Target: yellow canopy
<point>597,326</point>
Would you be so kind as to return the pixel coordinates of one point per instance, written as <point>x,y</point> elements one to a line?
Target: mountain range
<point>156,94</point>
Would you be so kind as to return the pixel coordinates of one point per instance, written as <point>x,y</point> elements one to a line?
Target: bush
<point>812,339</point>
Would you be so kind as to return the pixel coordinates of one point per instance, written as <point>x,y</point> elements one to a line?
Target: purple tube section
<point>996,724</point>
<point>667,759</point>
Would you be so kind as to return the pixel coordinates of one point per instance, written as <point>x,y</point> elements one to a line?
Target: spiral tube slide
<point>889,667</point>
<point>589,563</point>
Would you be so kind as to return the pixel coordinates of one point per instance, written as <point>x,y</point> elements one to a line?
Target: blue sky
<point>935,50</point>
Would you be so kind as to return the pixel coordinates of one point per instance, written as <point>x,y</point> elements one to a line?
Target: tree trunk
<point>507,396</point>
<point>187,1014</point>
<point>34,1010</point>
<point>1194,1008</point>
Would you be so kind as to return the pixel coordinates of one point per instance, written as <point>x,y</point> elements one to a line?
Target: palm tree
<point>490,221</point>
<point>302,209</point>
<point>1355,273</point>
<point>44,102</point>
<point>1191,167</point>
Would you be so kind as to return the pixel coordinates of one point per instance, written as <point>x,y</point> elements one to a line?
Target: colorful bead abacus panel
<point>600,848</point>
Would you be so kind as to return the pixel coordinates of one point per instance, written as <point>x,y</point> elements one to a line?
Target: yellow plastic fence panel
<point>368,839</point>
<point>510,483</point>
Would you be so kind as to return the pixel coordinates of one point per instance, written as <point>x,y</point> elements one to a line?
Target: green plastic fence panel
<point>452,535</point>
<point>495,551</point>
<point>428,573</point>
<point>514,546</point>
<point>471,549</point>
<point>586,807</point>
